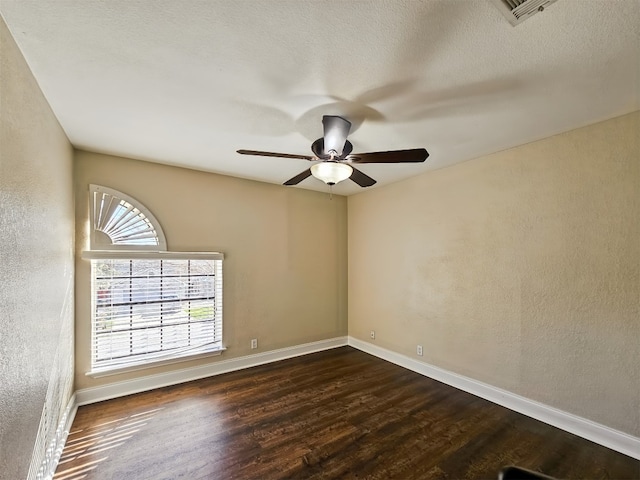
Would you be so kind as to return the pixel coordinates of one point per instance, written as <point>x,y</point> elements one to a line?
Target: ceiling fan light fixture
<point>331,172</point>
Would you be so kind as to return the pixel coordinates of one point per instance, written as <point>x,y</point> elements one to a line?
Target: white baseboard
<point>595,432</point>
<point>149,382</point>
<point>54,451</point>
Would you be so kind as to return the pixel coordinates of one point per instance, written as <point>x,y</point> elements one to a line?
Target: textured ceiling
<point>187,82</point>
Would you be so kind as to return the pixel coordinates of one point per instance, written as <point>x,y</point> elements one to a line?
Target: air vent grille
<point>517,11</point>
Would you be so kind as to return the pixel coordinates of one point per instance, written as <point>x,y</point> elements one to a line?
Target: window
<point>148,305</point>
<point>121,222</point>
<point>152,309</point>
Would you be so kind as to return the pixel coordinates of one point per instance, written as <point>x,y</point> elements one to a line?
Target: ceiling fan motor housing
<point>317,148</point>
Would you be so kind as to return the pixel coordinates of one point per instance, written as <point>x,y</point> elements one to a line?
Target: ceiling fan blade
<point>336,130</point>
<point>273,154</point>
<point>394,156</point>
<point>361,179</point>
<point>298,178</point>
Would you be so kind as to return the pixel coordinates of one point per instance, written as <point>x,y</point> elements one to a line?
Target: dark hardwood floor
<point>335,414</point>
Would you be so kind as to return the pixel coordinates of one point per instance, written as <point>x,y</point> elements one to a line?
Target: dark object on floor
<point>517,473</point>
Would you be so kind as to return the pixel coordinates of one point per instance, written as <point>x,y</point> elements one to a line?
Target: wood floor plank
<point>335,414</point>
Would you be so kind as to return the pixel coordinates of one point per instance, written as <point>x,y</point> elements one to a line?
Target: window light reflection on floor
<point>94,444</point>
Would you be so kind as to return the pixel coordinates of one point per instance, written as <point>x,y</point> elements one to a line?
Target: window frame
<point>108,207</point>
<point>153,360</point>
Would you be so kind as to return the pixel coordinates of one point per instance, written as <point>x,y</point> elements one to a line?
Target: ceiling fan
<point>335,160</point>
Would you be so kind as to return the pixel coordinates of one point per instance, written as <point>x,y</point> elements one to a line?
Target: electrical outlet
<point>372,334</point>
<point>254,343</point>
<point>419,350</point>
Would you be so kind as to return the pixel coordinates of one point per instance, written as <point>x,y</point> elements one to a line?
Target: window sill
<point>105,372</point>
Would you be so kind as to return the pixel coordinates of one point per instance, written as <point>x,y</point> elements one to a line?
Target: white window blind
<point>119,221</point>
<point>147,308</point>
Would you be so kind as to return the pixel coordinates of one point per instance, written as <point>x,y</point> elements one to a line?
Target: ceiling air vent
<point>517,11</point>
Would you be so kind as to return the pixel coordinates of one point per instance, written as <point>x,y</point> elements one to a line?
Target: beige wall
<point>285,252</point>
<point>36,267</point>
<point>519,269</point>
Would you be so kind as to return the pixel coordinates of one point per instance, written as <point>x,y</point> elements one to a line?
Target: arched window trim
<point>120,222</point>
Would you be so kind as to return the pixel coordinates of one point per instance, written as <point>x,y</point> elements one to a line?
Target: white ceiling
<point>188,82</point>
